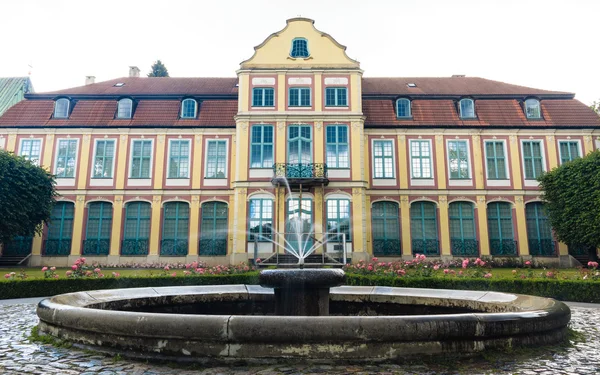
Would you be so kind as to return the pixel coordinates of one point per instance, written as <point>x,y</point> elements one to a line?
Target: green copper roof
<point>12,91</point>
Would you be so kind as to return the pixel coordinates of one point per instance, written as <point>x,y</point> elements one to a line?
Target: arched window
<point>463,241</point>
<point>403,108</point>
<point>467,108</point>
<point>500,229</point>
<point>423,228</point>
<point>213,230</point>
<point>136,236</point>
<point>124,108</point>
<point>299,48</point>
<point>386,229</point>
<point>176,227</point>
<point>188,108</point>
<point>98,228</point>
<point>60,229</point>
<point>532,108</point>
<point>61,108</point>
<point>539,232</point>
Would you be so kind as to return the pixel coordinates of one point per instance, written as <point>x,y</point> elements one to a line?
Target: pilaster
<point>444,225</point>
<point>194,225</point>
<point>84,161</point>
<point>515,162</point>
<point>405,224</point>
<point>478,169</point>
<point>482,221</point>
<point>159,164</point>
<point>117,224</point>
<point>521,226</point>
<point>121,171</point>
<point>440,161</point>
<point>78,225</point>
<point>155,227</point>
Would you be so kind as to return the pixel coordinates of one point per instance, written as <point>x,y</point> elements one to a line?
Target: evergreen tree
<point>158,69</point>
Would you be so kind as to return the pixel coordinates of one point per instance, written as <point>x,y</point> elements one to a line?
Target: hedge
<point>565,290</point>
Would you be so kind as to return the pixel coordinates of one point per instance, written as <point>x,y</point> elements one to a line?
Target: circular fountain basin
<point>233,323</point>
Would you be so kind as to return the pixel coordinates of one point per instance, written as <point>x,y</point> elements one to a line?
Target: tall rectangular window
<point>299,97</point>
<point>141,155</point>
<point>338,219</point>
<point>261,220</point>
<point>30,150</point>
<point>532,158</point>
<point>103,159</point>
<point>383,159</point>
<point>337,147</point>
<point>263,97</point>
<point>569,150</point>
<point>458,159</point>
<point>99,226</point>
<point>420,158</point>
<point>179,158</point>
<point>261,146</point>
<point>495,159</point>
<point>66,159</point>
<point>216,159</point>
<point>336,97</point>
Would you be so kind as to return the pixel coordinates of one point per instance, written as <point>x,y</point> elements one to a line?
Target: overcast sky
<point>543,44</point>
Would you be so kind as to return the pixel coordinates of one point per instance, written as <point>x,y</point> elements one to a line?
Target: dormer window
<point>467,108</point>
<point>532,108</point>
<point>403,108</point>
<point>124,108</point>
<point>188,108</point>
<point>299,48</point>
<point>61,108</point>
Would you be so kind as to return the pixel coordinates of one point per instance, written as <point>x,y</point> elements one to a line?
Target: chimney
<point>134,71</point>
<point>89,80</point>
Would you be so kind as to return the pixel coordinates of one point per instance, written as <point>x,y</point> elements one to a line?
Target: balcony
<point>387,247</point>
<point>174,248</point>
<point>545,248</point>
<point>96,247</point>
<point>295,174</point>
<point>464,247</point>
<point>427,247</point>
<point>58,247</point>
<point>503,247</point>
<point>132,247</point>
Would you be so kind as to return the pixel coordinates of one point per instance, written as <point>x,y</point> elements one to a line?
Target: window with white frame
<point>337,146</point>
<point>141,158</point>
<point>299,48</point>
<point>532,108</point>
<point>569,150</point>
<point>30,149</point>
<point>336,97</point>
<point>61,108</point>
<point>467,108</point>
<point>103,158</point>
<point>263,97</point>
<point>458,159</point>
<point>495,160</point>
<point>124,108</point>
<point>189,108</point>
<point>383,159</point>
<point>66,158</point>
<point>260,220</point>
<point>532,159</point>
<point>403,108</point>
<point>216,159</point>
<point>338,220</point>
<point>179,158</point>
<point>261,146</point>
<point>420,158</point>
<point>299,97</point>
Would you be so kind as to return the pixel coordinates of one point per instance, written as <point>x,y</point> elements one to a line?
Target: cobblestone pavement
<point>18,355</point>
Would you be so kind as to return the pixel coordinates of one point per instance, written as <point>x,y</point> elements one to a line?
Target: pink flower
<point>446,271</point>
<point>44,269</point>
<point>116,274</point>
<point>187,273</point>
<point>374,259</point>
<point>69,273</point>
<point>487,275</point>
<point>370,268</point>
<point>52,268</point>
<point>465,263</point>
<point>97,270</point>
<point>528,263</point>
<point>401,272</point>
<point>523,276</point>
<point>167,268</point>
<point>7,276</point>
<point>460,272</point>
<point>55,276</point>
<point>258,260</point>
<point>174,274</point>
<point>550,274</point>
<point>436,267</point>
<point>74,267</point>
<point>593,264</point>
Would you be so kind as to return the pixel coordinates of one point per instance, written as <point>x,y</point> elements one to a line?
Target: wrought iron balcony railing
<point>426,247</point>
<point>300,172</point>
<point>464,247</point>
<point>503,247</point>
<point>174,248</point>
<point>213,247</point>
<point>388,247</point>
<point>134,247</point>
<point>96,247</point>
<point>542,247</point>
<point>57,247</point>
<point>19,246</point>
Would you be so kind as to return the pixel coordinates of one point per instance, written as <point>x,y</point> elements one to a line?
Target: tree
<point>572,196</point>
<point>158,69</point>
<point>596,106</point>
<point>27,196</point>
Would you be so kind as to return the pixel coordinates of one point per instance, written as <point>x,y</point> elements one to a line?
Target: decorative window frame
<point>189,158</point>
<point>262,144</point>
<point>469,160</point>
<point>460,108</point>
<point>205,172</point>
<point>579,148</point>
<point>94,157</point>
<point>263,105</point>
<point>539,109</point>
<point>300,103</point>
<point>130,114</point>
<point>182,112</point>
<point>409,107</point>
<point>506,163</point>
<point>393,157</point>
<point>337,99</point>
<point>431,161</point>
<point>292,49</point>
<point>38,161</point>
<point>55,113</point>
<point>529,182</point>
<point>151,170</point>
<point>56,158</point>
<point>337,144</point>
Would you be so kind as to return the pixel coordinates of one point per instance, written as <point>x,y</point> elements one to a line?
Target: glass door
<point>299,226</point>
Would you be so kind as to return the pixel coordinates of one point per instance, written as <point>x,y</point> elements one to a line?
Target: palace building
<point>223,169</point>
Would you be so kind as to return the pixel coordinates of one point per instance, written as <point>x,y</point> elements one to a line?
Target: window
<point>261,146</point>
<point>463,240</point>
<point>179,159</point>
<point>467,108</point>
<point>60,229</point>
<point>299,227</point>
<point>423,228</point>
<point>141,156</point>
<point>336,97</point>
<point>539,232</point>
<point>532,158</point>
<point>403,108</point>
<point>103,159</point>
<point>61,108</point>
<point>176,226</point>
<point>383,159</point>
<point>532,108</point>
<point>458,160</point>
<point>299,97</point>
<point>495,159</point>
<point>99,226</point>
<point>136,236</point>
<point>263,97</point>
<point>338,219</point>
<point>500,229</point>
<point>386,229</point>
<point>569,150</point>
<point>188,108</point>
<point>420,156</point>
<point>299,48</point>
<point>337,146</point>
<point>261,220</point>
<point>213,230</point>
<point>66,158</point>
<point>124,108</point>
<point>299,148</point>
<point>216,159</point>
<point>30,149</point>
